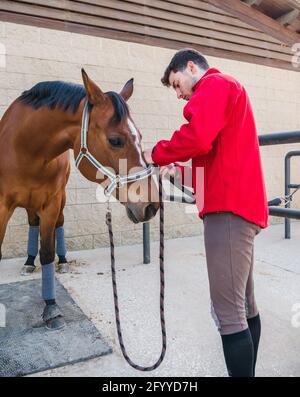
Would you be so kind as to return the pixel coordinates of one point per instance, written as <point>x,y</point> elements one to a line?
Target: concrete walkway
<point>194,346</point>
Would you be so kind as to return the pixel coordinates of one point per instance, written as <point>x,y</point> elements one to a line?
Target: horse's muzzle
<point>141,212</point>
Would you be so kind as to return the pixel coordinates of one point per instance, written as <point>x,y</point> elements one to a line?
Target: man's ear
<point>191,67</point>
<point>94,93</point>
<point>127,90</point>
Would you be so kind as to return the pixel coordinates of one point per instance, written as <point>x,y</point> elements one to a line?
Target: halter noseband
<point>116,179</point>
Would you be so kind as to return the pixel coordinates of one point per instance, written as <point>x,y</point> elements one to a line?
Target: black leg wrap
<point>50,301</point>
<point>30,261</point>
<point>29,266</point>
<point>63,266</point>
<point>62,259</point>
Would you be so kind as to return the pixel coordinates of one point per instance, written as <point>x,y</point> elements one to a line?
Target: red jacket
<point>220,136</point>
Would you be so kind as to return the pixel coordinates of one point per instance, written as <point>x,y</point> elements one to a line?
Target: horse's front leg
<point>32,244</point>
<point>48,219</point>
<point>63,266</point>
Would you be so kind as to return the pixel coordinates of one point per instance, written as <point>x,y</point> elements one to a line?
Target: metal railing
<point>281,138</point>
<point>287,188</point>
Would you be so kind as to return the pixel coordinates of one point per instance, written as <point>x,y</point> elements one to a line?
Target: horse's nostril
<point>150,211</point>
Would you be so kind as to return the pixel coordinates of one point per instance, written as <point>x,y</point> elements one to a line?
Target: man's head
<point>185,69</point>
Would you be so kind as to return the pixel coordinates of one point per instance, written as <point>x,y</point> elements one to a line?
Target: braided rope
<point>162,288</point>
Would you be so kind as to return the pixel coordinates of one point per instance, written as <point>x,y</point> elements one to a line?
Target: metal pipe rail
<point>279,138</point>
<point>291,213</point>
<point>287,188</point>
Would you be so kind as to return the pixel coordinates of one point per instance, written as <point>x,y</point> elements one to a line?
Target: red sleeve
<point>207,112</point>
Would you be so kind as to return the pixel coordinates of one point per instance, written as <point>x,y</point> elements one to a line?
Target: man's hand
<point>168,169</point>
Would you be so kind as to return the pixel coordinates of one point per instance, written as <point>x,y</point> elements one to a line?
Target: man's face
<point>183,81</point>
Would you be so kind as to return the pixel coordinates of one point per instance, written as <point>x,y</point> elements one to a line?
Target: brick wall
<point>36,54</point>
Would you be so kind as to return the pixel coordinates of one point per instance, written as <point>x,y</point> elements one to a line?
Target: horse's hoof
<point>55,324</point>
<point>53,317</point>
<point>63,268</point>
<point>27,270</point>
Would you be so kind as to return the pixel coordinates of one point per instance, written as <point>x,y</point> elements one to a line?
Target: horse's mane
<point>120,106</point>
<point>63,95</point>
<point>54,94</point>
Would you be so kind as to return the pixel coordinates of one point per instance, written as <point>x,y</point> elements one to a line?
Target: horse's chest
<point>35,199</point>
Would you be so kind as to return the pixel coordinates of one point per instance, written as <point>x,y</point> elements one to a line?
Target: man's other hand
<point>168,169</point>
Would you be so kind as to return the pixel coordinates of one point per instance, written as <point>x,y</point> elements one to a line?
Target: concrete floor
<point>193,344</point>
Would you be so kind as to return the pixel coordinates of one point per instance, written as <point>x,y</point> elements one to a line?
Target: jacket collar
<point>208,72</point>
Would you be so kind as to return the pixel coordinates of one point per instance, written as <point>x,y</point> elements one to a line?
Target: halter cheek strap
<point>116,179</point>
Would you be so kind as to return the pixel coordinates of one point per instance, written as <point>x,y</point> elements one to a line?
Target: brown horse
<point>36,132</point>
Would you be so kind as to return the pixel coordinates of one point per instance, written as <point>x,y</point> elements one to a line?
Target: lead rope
<point>283,200</point>
<point>162,287</point>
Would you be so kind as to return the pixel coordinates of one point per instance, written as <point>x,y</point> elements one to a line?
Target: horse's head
<point>114,141</point>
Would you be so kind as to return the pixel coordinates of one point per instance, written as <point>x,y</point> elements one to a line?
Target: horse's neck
<point>52,132</point>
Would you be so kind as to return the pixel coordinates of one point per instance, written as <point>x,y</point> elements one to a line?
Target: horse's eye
<point>116,142</point>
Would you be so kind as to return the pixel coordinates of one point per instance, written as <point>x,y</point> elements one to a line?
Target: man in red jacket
<point>220,136</point>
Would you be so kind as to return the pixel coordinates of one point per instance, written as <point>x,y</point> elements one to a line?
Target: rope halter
<point>116,180</point>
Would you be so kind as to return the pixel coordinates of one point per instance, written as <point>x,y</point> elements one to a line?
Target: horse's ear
<point>94,93</point>
<point>127,90</point>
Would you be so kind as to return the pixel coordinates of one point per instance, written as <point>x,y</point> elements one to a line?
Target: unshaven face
<point>183,81</point>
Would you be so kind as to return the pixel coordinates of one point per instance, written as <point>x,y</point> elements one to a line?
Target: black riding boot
<point>255,329</point>
<point>239,353</point>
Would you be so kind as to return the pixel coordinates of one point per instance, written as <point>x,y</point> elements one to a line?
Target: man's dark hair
<point>180,60</point>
